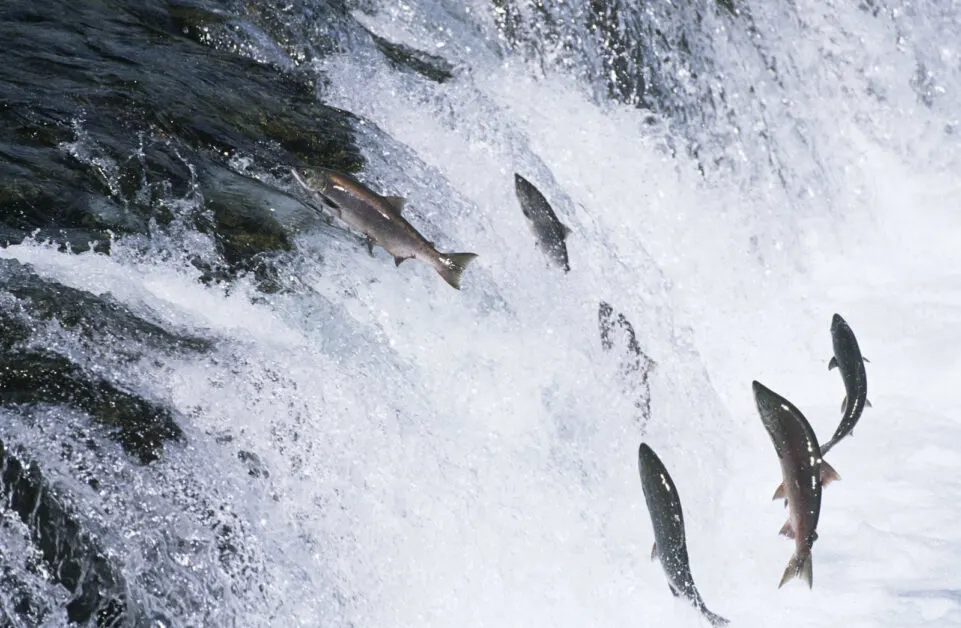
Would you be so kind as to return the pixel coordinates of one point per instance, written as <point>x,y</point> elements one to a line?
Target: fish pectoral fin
<point>787,530</point>
<point>833,363</point>
<point>399,260</point>
<point>844,404</point>
<point>654,552</point>
<point>828,474</point>
<point>778,492</point>
<point>397,203</point>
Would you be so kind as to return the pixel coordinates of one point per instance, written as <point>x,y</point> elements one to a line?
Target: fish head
<point>766,399</point>
<point>524,191</point>
<point>837,324</point>
<point>312,179</point>
<point>647,460</point>
<point>769,406</point>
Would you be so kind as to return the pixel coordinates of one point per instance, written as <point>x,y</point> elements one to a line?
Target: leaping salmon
<point>803,472</point>
<point>379,218</point>
<point>670,545</point>
<point>848,359</point>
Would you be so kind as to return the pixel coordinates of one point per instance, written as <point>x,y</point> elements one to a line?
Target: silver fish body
<point>549,232</point>
<point>801,470</point>
<point>670,544</point>
<point>379,218</point>
<point>848,359</point>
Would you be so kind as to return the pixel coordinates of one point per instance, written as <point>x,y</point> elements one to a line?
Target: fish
<point>803,472</point>
<point>670,545</point>
<point>549,232</point>
<point>635,366</point>
<point>847,359</point>
<point>380,219</point>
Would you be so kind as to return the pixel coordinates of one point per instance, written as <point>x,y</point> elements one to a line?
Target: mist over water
<point>365,446</point>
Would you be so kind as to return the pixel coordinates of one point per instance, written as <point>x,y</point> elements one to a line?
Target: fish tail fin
<point>450,266</point>
<point>799,566</point>
<point>714,618</point>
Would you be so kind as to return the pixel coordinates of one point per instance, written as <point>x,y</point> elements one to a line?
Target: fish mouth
<point>310,182</point>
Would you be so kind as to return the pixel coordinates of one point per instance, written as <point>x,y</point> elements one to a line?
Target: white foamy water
<point>444,458</point>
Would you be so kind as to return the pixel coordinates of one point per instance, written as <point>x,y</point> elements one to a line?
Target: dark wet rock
<point>108,111</point>
<point>95,317</point>
<point>140,426</point>
<point>641,54</point>
<point>655,56</point>
<point>634,366</point>
<point>73,558</point>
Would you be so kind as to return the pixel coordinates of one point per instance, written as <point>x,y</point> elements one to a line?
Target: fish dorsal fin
<point>397,203</point>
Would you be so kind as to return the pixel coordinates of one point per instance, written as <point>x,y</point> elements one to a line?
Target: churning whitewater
<point>221,405</point>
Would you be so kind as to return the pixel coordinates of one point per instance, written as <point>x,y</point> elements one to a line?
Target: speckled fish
<point>847,358</point>
<point>635,367</point>
<point>549,233</point>
<point>670,545</point>
<point>802,469</point>
<point>379,218</point>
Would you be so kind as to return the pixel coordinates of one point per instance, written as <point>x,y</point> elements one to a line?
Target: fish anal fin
<point>787,530</point>
<point>778,492</point>
<point>828,474</point>
<point>833,363</point>
<point>654,552</point>
<point>397,203</point>
<point>399,260</point>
